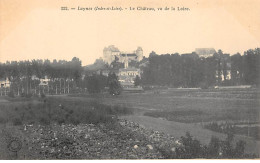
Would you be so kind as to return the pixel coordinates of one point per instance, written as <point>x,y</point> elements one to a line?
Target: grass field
<point>180,105</point>
<point>191,106</point>
<point>18,111</point>
<point>184,107</point>
<point>196,106</point>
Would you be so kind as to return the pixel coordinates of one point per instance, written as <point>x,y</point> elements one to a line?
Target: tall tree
<point>113,84</point>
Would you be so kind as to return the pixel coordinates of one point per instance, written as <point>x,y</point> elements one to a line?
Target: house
<point>34,77</point>
<point>225,64</point>
<point>5,83</point>
<point>44,82</point>
<point>127,75</point>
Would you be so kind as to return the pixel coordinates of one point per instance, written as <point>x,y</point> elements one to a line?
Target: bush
<point>191,148</point>
<point>214,147</point>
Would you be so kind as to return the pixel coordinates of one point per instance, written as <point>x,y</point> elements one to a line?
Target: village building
<point>34,77</point>
<point>45,81</point>
<point>5,83</point>
<point>127,74</point>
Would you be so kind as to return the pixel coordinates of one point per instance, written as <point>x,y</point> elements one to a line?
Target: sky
<point>34,29</point>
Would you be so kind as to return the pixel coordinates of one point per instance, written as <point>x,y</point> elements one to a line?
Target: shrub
<point>214,147</point>
<point>191,148</point>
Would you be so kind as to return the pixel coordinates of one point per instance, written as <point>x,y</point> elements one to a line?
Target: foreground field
<point>227,107</point>
<point>172,112</point>
<point>123,140</point>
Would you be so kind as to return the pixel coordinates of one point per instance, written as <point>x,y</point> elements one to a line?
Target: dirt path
<point>179,129</point>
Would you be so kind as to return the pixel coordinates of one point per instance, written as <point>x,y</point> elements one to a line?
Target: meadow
<point>48,110</point>
<point>227,107</point>
<point>172,111</point>
<point>190,105</point>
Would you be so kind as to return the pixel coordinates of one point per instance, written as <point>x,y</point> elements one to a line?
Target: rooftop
<point>205,51</point>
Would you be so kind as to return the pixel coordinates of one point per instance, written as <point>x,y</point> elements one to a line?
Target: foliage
<point>137,80</point>
<point>25,75</point>
<point>190,70</point>
<point>113,84</point>
<point>227,128</point>
<point>174,70</point>
<point>95,83</point>
<point>192,148</point>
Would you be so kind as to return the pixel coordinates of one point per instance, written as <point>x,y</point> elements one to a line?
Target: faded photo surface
<point>129,79</point>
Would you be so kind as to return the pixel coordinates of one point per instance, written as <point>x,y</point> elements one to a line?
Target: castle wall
<point>112,52</point>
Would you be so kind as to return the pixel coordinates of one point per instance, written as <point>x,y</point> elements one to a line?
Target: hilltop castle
<point>112,53</point>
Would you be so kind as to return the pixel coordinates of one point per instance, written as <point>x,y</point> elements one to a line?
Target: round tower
<point>139,53</point>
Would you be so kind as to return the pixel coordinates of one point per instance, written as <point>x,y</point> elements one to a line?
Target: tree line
<point>190,70</point>
<point>62,76</point>
<point>24,75</point>
<point>174,70</point>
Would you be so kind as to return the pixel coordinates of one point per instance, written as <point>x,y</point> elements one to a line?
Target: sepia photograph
<point>129,79</point>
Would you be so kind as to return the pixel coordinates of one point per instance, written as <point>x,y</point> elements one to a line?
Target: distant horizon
<point>147,55</point>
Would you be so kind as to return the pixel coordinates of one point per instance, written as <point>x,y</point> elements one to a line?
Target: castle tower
<point>110,53</point>
<point>139,53</point>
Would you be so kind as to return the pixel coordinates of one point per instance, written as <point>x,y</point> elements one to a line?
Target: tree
<point>218,56</point>
<point>95,83</point>
<point>236,69</point>
<point>239,149</point>
<point>113,84</point>
<point>137,80</point>
<point>214,147</point>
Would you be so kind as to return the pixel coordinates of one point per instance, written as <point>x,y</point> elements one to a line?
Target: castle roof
<point>112,48</point>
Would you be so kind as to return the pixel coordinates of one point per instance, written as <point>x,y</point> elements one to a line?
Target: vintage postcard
<point>129,79</point>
